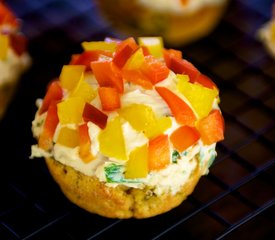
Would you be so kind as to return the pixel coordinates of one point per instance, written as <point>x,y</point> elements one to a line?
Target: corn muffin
<point>128,128</point>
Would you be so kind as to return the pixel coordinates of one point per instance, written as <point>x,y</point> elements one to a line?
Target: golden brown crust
<point>119,202</point>
<point>176,29</point>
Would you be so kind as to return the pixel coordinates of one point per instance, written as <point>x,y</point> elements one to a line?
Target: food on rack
<point>129,127</point>
<point>177,21</point>
<point>13,56</point>
<point>267,34</point>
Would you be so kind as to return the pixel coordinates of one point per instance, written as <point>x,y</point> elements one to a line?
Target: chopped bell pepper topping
<point>18,43</point>
<point>182,112</point>
<point>183,66</point>
<point>184,137</point>
<point>109,98</point>
<point>158,153</point>
<point>111,140</point>
<point>169,53</point>
<point>136,61</point>
<point>137,165</point>
<point>200,97</point>
<point>85,144</point>
<point>100,45</point>
<point>142,118</point>
<point>154,69</point>
<point>71,75</point>
<point>68,137</point>
<point>54,93</point>
<point>45,140</point>
<point>211,128</point>
<point>124,50</point>
<point>91,113</point>
<point>84,91</point>
<point>87,57</point>
<point>153,44</point>
<point>70,110</point>
<point>108,75</point>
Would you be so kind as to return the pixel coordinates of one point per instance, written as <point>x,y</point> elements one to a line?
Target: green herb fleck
<point>175,156</point>
<point>184,153</point>
<point>115,174</point>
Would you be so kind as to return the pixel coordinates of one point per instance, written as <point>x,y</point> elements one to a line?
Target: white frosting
<point>176,6</point>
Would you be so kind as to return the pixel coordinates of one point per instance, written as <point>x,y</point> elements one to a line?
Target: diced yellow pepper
<point>135,61</point>
<point>142,118</point>
<point>70,110</point>
<point>111,140</point>
<point>201,98</point>
<point>183,77</point>
<point>4,46</point>
<point>99,45</point>
<point>71,75</point>
<point>154,45</point>
<point>85,91</point>
<point>137,165</point>
<point>68,137</point>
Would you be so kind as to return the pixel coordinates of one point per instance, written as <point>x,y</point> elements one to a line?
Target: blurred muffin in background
<point>13,56</point>
<point>178,21</point>
<point>266,34</point>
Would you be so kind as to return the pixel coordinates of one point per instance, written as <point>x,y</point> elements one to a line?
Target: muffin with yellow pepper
<point>128,128</point>
<point>13,56</point>
<point>178,21</point>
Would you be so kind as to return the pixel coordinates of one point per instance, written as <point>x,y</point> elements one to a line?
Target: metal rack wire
<point>234,201</point>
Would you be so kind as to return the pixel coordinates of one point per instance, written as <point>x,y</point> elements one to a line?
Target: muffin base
<point>115,202</point>
<point>131,18</point>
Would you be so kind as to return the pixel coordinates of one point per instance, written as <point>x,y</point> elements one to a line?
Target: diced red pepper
<point>145,50</point>
<point>158,153</point>
<point>211,128</point>
<point>6,16</point>
<point>124,50</point>
<point>108,75</point>
<point>109,98</point>
<point>205,81</point>
<point>154,69</point>
<point>168,53</point>
<point>182,112</point>
<point>45,140</point>
<point>91,113</point>
<point>137,77</point>
<point>184,137</point>
<point>18,43</point>
<point>85,144</point>
<point>87,57</point>
<point>182,66</point>
<point>54,93</point>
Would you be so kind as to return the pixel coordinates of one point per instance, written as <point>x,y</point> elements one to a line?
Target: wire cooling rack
<point>234,201</point>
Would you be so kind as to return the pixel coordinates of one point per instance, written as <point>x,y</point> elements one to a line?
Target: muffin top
<point>130,113</point>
